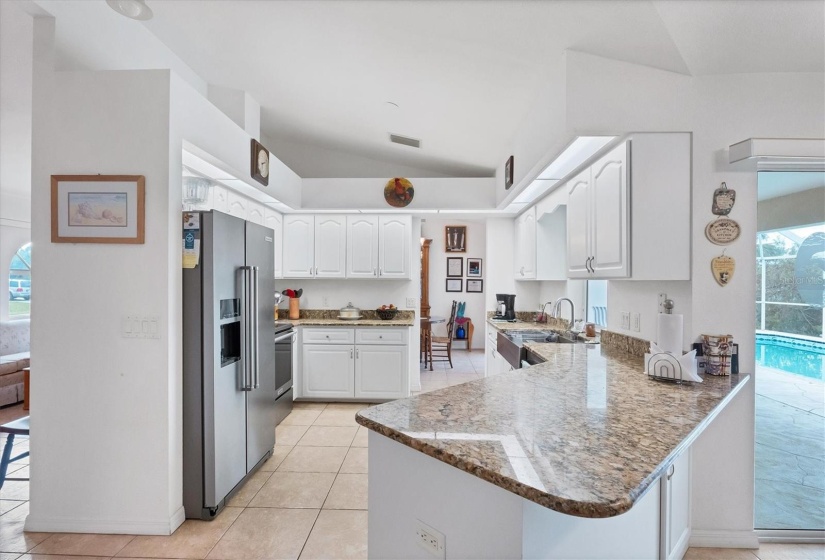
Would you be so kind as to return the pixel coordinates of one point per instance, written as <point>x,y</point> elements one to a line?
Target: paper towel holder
<point>668,305</point>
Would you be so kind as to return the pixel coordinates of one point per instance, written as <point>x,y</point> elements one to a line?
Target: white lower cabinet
<point>368,363</point>
<point>674,532</point>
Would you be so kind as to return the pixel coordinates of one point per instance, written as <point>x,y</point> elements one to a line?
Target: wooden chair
<point>442,346</point>
<point>18,427</point>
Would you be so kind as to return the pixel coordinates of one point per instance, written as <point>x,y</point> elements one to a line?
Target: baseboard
<point>791,536</point>
<point>704,538</point>
<point>681,547</point>
<point>45,524</point>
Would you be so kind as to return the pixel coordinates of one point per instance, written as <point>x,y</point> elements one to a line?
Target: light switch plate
<point>637,322</point>
<point>140,326</point>
<point>626,320</point>
<point>410,303</point>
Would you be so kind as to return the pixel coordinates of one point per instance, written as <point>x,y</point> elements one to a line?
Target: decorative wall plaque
<point>722,231</point>
<point>723,200</point>
<point>723,267</point>
<point>398,192</point>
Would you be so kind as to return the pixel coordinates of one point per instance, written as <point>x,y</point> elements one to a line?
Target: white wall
<point>441,300</point>
<point>430,193</point>
<point>719,110</point>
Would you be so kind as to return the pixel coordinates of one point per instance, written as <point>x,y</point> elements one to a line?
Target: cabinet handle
<point>357,353</point>
<point>375,272</point>
<point>380,336</point>
<point>350,353</point>
<point>672,472</point>
<point>380,272</point>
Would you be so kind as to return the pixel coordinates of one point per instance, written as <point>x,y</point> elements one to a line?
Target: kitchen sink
<point>511,344</point>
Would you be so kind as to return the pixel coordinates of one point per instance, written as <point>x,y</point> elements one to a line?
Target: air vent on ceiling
<point>405,141</point>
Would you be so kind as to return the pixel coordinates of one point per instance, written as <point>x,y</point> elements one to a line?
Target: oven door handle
<point>285,336</point>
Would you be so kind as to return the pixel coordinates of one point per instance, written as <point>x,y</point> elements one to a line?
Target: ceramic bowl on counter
<point>349,313</point>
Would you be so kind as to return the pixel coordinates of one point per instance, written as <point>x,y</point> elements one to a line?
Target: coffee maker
<point>505,307</point>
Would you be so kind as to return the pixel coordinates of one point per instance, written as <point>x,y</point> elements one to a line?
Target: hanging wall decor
<point>508,173</point>
<point>723,268</point>
<point>723,231</point>
<point>398,192</point>
<point>723,200</point>
<point>259,168</point>
<point>456,239</point>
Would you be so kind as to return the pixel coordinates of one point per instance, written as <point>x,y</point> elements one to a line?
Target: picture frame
<point>98,208</point>
<point>508,173</point>
<point>259,164</point>
<point>474,268</point>
<point>455,267</point>
<point>475,286</point>
<point>455,239</point>
<point>454,285</point>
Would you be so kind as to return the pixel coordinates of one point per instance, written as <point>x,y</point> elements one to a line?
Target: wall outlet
<point>637,322</point>
<point>626,320</point>
<point>325,302</point>
<point>411,303</point>
<point>430,540</point>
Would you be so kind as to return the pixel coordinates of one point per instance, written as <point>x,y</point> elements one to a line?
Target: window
<point>20,282</point>
<point>597,302</point>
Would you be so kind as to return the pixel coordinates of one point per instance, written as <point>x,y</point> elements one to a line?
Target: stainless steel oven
<point>284,348</point>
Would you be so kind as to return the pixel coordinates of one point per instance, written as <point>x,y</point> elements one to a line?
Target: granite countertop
<point>586,433</point>
<point>329,318</point>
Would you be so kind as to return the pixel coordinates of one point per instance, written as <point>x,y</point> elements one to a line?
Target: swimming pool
<point>794,355</point>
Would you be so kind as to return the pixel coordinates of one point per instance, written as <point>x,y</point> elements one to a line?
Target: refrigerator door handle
<point>247,334</point>
<point>256,329</point>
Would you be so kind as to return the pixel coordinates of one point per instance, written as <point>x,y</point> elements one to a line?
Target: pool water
<point>793,355</point>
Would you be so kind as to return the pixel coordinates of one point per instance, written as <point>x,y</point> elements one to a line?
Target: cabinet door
<point>237,205</point>
<point>610,244</point>
<point>678,522</point>
<point>578,226</point>
<point>299,246</point>
<point>275,221</point>
<point>330,246</point>
<point>328,370</point>
<point>528,239</point>
<point>381,372</point>
<point>255,213</point>
<point>220,198</point>
<point>362,246</point>
<point>394,234</point>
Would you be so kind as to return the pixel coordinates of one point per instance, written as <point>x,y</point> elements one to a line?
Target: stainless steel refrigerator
<point>229,387</point>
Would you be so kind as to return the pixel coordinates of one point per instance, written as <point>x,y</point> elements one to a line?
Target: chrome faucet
<point>557,310</point>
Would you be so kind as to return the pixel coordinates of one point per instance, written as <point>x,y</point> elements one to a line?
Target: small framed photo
<point>475,286</point>
<point>455,267</point>
<point>473,268</point>
<point>508,173</point>
<point>98,208</point>
<point>454,284</point>
<point>456,239</point>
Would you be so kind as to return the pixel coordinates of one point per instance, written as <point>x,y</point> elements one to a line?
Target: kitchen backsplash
<point>634,346</point>
<point>333,314</point>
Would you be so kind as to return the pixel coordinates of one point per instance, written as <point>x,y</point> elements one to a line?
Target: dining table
<point>427,337</point>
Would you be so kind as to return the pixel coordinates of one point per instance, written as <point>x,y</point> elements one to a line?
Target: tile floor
<point>308,501</point>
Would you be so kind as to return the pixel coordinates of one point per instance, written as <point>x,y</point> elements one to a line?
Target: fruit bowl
<point>386,314</point>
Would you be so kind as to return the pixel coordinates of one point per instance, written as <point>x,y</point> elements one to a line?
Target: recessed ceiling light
<point>135,9</point>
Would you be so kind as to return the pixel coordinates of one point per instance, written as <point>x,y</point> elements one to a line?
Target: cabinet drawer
<point>381,336</point>
<point>328,336</point>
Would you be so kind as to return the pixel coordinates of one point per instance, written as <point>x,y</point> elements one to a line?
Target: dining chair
<point>441,346</point>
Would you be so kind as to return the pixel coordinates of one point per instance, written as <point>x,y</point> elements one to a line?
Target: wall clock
<point>260,163</point>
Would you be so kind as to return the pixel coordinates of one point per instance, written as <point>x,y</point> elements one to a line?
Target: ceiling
<point>463,74</point>
<point>773,184</point>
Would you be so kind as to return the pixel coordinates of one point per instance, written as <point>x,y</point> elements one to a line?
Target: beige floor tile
<point>17,514</point>
<point>14,539</point>
<point>289,435</point>
<point>348,492</point>
<point>294,490</point>
<point>59,557</point>
<point>784,551</point>
<point>336,417</point>
<point>302,417</point>
<point>328,436</point>
<point>10,556</point>
<point>8,505</point>
<point>719,554</point>
<point>314,459</point>
<point>266,533</point>
<point>309,405</point>
<point>347,406</point>
<point>249,489</point>
<point>338,534</point>
<point>356,461</point>
<point>15,490</point>
<point>79,544</point>
<point>193,539</point>
<point>278,455</point>
<point>360,437</point>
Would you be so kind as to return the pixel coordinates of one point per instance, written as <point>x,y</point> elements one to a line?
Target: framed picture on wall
<point>508,173</point>
<point>456,239</point>
<point>475,286</point>
<point>454,284</point>
<point>473,268</point>
<point>455,267</point>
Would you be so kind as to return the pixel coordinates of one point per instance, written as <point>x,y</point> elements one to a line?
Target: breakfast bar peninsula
<point>582,456</point>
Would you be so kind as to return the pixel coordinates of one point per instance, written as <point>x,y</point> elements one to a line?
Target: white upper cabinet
<point>609,205</point>
<point>275,221</point>
<point>330,246</point>
<point>394,238</point>
<point>299,246</point>
<point>526,245</point>
<point>237,205</point>
<point>220,198</point>
<point>578,225</point>
<point>362,246</point>
<point>255,213</point>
